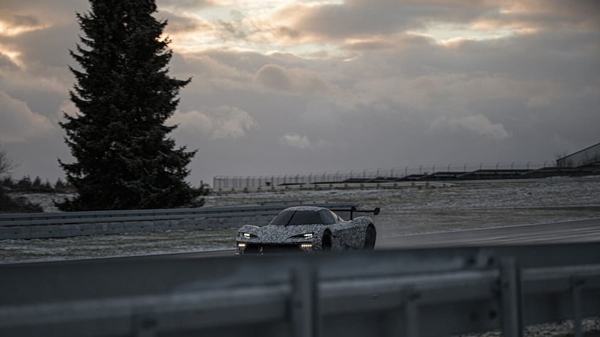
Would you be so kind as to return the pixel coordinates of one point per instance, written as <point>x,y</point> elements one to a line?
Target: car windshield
<point>294,218</point>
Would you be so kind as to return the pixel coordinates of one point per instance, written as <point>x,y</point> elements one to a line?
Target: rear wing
<point>353,210</point>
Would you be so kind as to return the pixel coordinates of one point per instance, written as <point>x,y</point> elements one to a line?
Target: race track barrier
<point>422,292</point>
<point>69,224</point>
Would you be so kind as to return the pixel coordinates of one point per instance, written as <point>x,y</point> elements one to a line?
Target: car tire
<point>370,238</point>
<point>326,243</point>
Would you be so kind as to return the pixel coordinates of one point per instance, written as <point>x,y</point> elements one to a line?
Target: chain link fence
<point>379,174</point>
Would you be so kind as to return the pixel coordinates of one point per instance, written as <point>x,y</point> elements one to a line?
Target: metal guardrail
<point>426,292</point>
<point>29,219</point>
<point>60,225</point>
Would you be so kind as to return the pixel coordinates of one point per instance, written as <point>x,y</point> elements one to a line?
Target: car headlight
<point>241,247</point>
<point>247,235</point>
<point>304,236</point>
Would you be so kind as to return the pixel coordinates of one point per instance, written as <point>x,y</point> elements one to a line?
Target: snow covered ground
<point>463,205</point>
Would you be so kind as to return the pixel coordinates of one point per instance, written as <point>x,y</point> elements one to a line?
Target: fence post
<point>305,315</point>
<point>404,320</point>
<point>237,182</point>
<point>510,298</point>
<point>411,313</point>
<point>576,286</point>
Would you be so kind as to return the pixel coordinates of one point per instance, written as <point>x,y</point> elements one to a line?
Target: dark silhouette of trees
<point>124,158</point>
<point>8,204</point>
<point>7,165</point>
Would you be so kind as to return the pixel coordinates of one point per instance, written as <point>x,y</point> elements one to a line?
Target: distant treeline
<point>17,205</point>
<point>26,184</point>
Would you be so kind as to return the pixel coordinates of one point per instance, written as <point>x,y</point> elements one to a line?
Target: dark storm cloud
<point>563,56</point>
<point>366,18</point>
<point>396,99</point>
<point>18,122</point>
<point>18,21</point>
<point>368,45</point>
<point>298,81</point>
<point>48,47</point>
<point>553,14</point>
<point>362,18</point>
<point>6,63</point>
<point>189,5</point>
<point>177,23</point>
<point>44,79</point>
<point>228,63</point>
<point>274,77</point>
<point>45,12</point>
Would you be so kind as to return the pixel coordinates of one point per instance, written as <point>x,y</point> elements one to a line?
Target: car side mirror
<point>376,211</point>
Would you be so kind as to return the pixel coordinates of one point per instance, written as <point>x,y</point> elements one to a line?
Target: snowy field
<point>463,205</point>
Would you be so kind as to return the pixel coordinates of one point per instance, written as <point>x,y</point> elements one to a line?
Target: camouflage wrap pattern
<point>345,235</point>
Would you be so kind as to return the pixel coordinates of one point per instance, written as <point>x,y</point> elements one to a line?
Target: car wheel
<point>326,243</point>
<point>370,237</point>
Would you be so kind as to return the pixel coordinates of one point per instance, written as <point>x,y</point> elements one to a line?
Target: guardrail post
<point>404,320</point>
<point>510,298</point>
<point>411,313</point>
<point>576,287</point>
<point>305,315</point>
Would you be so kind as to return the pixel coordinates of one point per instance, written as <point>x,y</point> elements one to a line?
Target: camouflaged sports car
<point>307,228</point>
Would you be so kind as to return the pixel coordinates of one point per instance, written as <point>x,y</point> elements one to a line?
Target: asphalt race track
<point>560,232</point>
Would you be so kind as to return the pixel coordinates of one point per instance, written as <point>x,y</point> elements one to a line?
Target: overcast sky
<point>287,87</point>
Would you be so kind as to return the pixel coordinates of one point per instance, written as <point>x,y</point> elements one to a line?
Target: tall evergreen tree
<point>124,157</point>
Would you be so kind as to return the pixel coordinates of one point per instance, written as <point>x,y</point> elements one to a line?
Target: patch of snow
<point>409,210</point>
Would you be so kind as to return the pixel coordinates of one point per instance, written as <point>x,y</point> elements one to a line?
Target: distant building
<point>580,158</point>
